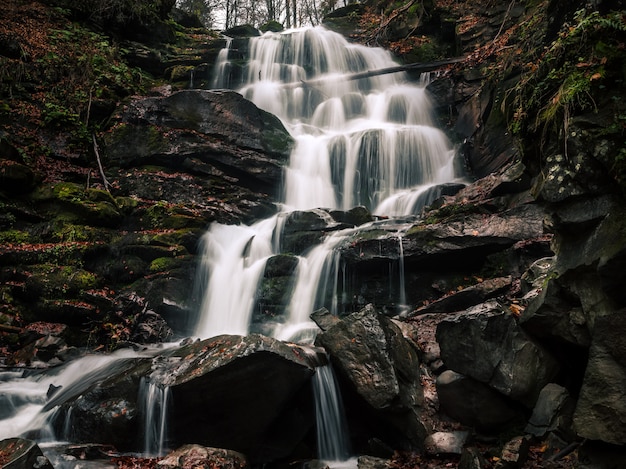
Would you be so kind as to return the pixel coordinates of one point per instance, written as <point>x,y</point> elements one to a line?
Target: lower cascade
<point>155,402</point>
<point>332,430</point>
<point>369,143</point>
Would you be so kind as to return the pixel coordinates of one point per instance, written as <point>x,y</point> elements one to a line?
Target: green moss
<point>161,264</point>
<point>14,237</point>
<point>53,281</point>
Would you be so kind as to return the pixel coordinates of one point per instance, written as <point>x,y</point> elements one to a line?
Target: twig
<point>105,181</point>
<point>565,451</point>
<point>506,15</point>
<point>7,328</point>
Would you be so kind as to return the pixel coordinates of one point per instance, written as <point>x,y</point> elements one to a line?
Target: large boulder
<point>487,344</point>
<point>601,407</point>
<point>382,367</point>
<point>221,129</point>
<point>250,394</point>
<point>475,404</point>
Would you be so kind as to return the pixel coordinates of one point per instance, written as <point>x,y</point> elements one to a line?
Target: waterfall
<point>154,400</point>
<point>332,429</point>
<point>28,405</point>
<point>369,142</point>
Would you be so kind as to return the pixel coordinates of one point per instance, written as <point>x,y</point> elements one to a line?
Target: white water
<point>155,406</point>
<point>331,426</point>
<point>368,142</point>
<point>25,399</point>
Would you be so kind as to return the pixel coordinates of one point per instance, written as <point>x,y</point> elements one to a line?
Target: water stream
<point>369,142</point>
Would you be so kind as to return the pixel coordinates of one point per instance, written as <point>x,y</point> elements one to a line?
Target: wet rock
<point>473,403</point>
<point>305,229</point>
<point>487,146</point>
<point>370,352</point>
<point>601,406</point>
<point>364,346</point>
<point>552,413</point>
<point>487,344</point>
<point>469,237</point>
<point>250,394</point>
<point>201,457</point>
<point>274,292</point>
<point>356,216</point>
<point>19,453</point>
<point>324,319</point>
<point>219,128</point>
<point>151,328</point>
<point>445,443</point>
<point>467,297</point>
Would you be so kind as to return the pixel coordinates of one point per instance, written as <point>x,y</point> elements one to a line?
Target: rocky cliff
<point>111,168</point>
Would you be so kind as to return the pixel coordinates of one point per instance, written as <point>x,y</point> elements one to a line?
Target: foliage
<point>118,11</point>
<point>63,73</point>
<point>584,57</point>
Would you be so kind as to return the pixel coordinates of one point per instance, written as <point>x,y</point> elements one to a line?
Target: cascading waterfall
<point>332,429</point>
<point>155,401</point>
<point>367,142</point>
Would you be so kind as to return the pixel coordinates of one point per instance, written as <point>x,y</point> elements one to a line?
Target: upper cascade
<point>358,141</point>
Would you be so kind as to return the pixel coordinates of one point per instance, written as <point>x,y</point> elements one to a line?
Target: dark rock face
<point>486,344</point>
<point>475,404</point>
<point>218,128</point>
<point>251,394</point>
<point>601,406</point>
<point>370,352</point>
<point>552,413</point>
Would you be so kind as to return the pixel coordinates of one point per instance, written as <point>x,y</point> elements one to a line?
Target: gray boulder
<point>370,352</point>
<point>369,349</point>
<point>473,403</point>
<point>601,407</point>
<point>248,394</point>
<point>215,132</point>
<point>487,344</point>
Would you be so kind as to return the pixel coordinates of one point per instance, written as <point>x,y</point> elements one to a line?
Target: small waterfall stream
<point>155,403</point>
<point>332,430</point>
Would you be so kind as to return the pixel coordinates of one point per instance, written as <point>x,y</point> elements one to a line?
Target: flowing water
<point>332,430</point>
<point>368,142</point>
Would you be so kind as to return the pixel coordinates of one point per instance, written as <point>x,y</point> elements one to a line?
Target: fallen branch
<point>105,181</point>
<point>414,67</point>
<point>13,329</point>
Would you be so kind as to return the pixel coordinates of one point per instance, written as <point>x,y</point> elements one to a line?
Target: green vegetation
<point>582,59</point>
